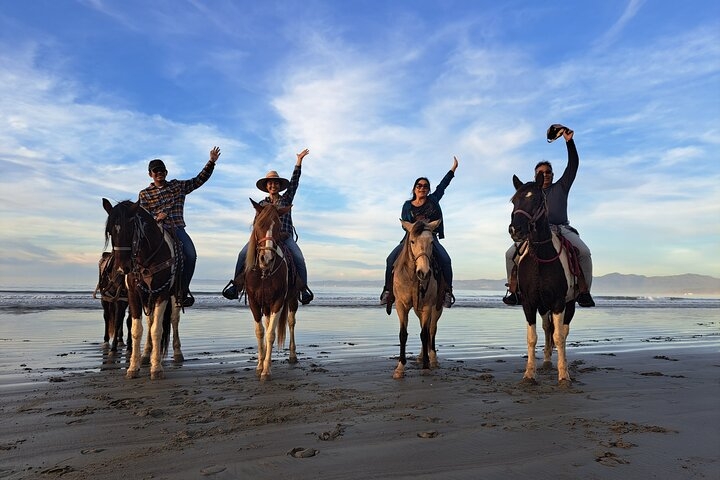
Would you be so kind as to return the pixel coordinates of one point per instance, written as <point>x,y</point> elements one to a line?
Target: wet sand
<point>639,414</point>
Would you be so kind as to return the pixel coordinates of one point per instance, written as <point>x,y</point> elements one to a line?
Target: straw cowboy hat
<point>272,175</point>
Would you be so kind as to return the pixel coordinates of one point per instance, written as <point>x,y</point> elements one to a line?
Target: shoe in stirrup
<point>306,295</point>
<point>188,300</point>
<point>449,299</point>
<point>230,291</point>
<point>510,299</point>
<point>384,296</point>
<point>585,300</point>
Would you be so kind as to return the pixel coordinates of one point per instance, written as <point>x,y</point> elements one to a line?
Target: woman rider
<point>273,184</point>
<point>425,206</point>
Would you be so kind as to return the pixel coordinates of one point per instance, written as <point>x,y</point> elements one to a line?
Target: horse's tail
<point>165,339</point>
<point>282,326</point>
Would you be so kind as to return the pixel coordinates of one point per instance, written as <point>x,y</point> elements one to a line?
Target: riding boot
<point>584,299</point>
<point>305,295</point>
<point>512,297</point>
<point>449,298</point>
<point>187,298</point>
<point>230,291</point>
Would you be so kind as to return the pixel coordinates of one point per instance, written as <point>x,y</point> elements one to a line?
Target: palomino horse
<point>113,297</point>
<point>150,260</point>
<point>269,292</point>
<point>416,286</point>
<point>545,281</point>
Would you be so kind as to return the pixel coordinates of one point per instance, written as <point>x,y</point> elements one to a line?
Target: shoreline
<point>643,414</point>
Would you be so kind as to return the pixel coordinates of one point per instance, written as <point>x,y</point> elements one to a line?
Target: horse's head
<point>420,240</point>
<point>528,208</point>
<point>119,231</point>
<point>266,233</point>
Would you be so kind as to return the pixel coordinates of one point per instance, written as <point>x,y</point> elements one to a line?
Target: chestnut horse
<point>545,281</point>
<point>272,297</point>
<point>416,286</point>
<point>151,261</point>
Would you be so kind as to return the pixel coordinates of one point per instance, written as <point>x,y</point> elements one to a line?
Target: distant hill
<point>611,284</point>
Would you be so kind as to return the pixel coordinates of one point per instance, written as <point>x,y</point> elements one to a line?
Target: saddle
<point>573,256</point>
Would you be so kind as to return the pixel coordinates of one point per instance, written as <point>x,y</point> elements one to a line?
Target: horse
<point>113,297</point>
<point>416,286</point>
<point>270,293</point>
<point>546,283</point>
<point>151,262</point>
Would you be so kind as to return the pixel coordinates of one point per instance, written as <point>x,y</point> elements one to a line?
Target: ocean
<point>48,333</point>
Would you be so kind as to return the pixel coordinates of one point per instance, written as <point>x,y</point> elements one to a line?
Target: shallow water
<point>45,344</point>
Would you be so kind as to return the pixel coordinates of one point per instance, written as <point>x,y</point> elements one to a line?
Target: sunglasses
<point>158,170</point>
<point>545,172</point>
<point>422,186</point>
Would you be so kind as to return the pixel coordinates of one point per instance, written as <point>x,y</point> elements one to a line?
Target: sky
<point>381,92</point>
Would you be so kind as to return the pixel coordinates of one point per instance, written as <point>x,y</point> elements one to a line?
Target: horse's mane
<point>262,219</point>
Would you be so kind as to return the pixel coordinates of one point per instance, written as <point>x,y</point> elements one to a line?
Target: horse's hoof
<point>398,374</point>
<point>528,381</point>
<point>434,364</point>
<point>158,375</point>
<point>292,359</point>
<point>265,377</point>
<point>547,366</point>
<point>565,383</point>
<point>178,358</point>
<point>132,374</point>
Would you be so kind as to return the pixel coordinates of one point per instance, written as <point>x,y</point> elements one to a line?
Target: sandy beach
<point>640,414</point>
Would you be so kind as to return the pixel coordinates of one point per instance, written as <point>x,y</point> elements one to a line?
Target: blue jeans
<point>294,250</point>
<point>189,253</point>
<point>439,252</point>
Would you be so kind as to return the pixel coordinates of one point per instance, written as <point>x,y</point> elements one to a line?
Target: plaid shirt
<point>285,200</point>
<point>170,198</point>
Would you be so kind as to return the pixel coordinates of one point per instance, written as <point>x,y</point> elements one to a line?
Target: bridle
<point>532,229</point>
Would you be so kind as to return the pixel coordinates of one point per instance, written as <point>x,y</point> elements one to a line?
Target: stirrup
<point>230,291</point>
<point>306,295</point>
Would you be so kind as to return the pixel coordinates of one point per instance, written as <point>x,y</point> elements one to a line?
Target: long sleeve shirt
<point>434,199</point>
<point>556,194</point>
<point>286,199</point>
<point>170,198</point>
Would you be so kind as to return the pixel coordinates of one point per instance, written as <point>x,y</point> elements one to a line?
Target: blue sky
<point>381,92</point>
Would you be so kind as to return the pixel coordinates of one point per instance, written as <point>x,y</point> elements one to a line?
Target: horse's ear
<point>107,205</point>
<point>517,183</point>
<point>256,205</point>
<point>539,179</point>
<point>283,210</point>
<point>434,224</point>
<point>407,226</point>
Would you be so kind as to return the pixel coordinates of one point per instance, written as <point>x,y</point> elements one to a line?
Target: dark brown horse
<point>416,287</point>
<point>272,297</point>
<point>150,260</point>
<point>113,297</point>
<point>545,281</point>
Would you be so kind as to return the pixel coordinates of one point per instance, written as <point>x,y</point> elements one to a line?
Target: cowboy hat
<point>272,175</point>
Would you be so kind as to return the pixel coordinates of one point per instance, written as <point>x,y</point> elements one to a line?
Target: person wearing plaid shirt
<point>273,184</point>
<point>165,200</point>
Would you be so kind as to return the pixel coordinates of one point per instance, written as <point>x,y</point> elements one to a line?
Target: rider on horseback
<point>556,198</point>
<point>165,200</point>
<point>424,206</point>
<point>273,184</point>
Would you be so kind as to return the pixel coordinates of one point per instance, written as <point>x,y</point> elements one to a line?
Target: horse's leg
<point>548,328</point>
<point>269,340</point>
<point>402,312</point>
<point>260,335</point>
<point>529,375</point>
<point>156,331</point>
<point>560,336</point>
<point>135,360</point>
<point>291,326</point>
<point>106,318</point>
<point>147,352</point>
<point>425,338</point>
<point>433,331</point>
<point>175,320</point>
